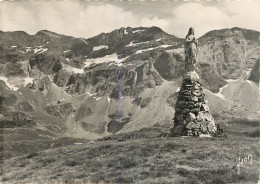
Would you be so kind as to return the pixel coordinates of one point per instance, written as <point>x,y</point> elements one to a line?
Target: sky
<point>89,18</point>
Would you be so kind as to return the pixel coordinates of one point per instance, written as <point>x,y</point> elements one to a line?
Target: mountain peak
<point>235,31</point>
<point>155,28</point>
<point>48,33</point>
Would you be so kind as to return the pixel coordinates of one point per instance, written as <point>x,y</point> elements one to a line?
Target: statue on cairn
<point>192,116</point>
<point>191,50</point>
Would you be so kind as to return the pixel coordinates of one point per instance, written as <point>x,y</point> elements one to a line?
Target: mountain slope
<point>72,86</point>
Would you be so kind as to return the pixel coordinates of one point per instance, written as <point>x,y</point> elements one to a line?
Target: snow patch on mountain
<point>216,94</point>
<point>229,81</point>
<point>98,98</point>
<point>219,94</point>
<point>152,48</point>
<point>100,47</point>
<point>28,49</point>
<point>84,41</point>
<point>106,59</point>
<point>232,80</point>
<point>36,50</point>
<point>165,46</point>
<point>78,143</point>
<point>77,70</point>
<point>10,86</point>
<point>144,50</point>
<point>39,50</point>
<point>250,82</point>
<point>248,72</point>
<point>138,30</point>
<point>131,44</point>
<point>69,68</point>
<point>91,94</point>
<point>28,80</point>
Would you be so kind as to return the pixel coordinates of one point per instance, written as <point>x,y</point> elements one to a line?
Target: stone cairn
<point>192,116</point>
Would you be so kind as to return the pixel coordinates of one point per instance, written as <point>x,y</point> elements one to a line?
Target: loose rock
<point>192,116</point>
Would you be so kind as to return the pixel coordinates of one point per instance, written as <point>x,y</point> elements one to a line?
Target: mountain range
<point>55,86</point>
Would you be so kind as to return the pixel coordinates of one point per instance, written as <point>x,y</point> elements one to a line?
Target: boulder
<point>182,103</point>
<point>190,117</point>
<point>194,99</point>
<point>197,85</point>
<point>193,125</point>
<point>191,106</point>
<point>183,98</point>
<point>191,103</point>
<point>185,111</point>
<point>178,110</point>
<point>189,133</point>
<point>204,116</point>
<point>185,92</point>
<point>197,109</point>
<point>187,87</point>
<point>211,127</point>
<point>191,75</point>
<point>204,107</point>
<point>203,127</point>
<point>198,104</point>
<point>179,117</point>
<point>201,99</point>
<point>196,93</point>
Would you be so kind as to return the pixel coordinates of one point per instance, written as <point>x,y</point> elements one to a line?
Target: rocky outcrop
<point>107,80</point>
<point>25,106</point>
<point>61,78</point>
<point>192,116</point>
<point>11,119</point>
<point>254,75</point>
<point>169,66</point>
<point>46,64</point>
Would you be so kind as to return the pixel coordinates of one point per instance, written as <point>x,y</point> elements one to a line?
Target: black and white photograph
<point>129,91</point>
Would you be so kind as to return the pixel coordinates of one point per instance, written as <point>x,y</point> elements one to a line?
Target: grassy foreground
<point>139,158</point>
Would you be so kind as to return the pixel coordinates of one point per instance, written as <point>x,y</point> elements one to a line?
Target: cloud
<point>87,19</point>
<point>208,17</point>
<point>70,18</point>
<point>243,14</point>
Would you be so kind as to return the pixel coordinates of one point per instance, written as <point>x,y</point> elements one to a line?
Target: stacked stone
<point>192,116</point>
